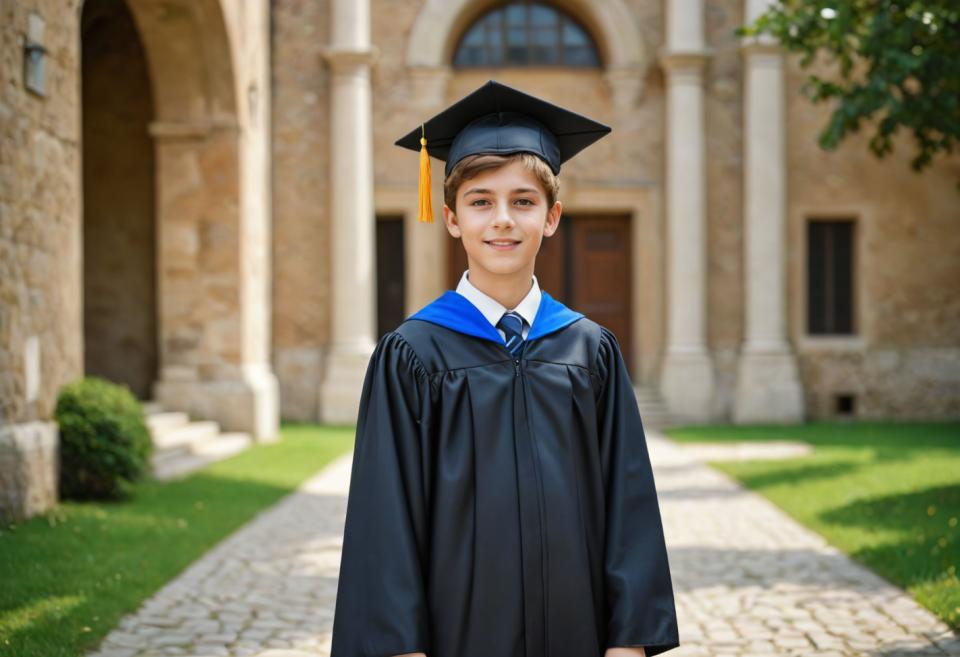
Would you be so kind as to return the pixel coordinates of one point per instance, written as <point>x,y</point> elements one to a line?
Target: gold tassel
<point>426,204</point>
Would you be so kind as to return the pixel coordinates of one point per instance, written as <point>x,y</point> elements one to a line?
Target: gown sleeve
<point>381,607</point>
<point>639,591</point>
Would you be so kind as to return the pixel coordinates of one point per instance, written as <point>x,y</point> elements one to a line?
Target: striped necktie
<point>512,326</point>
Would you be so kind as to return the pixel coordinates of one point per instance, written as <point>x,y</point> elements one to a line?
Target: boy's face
<point>501,218</point>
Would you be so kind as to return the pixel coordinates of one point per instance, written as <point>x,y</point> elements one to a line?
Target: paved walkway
<point>749,581</point>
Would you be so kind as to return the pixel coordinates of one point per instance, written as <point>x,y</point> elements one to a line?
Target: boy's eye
<point>525,201</point>
<point>479,201</point>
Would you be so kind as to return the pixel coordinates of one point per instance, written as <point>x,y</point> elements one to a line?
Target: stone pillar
<point>211,360</point>
<point>687,380</point>
<point>352,220</point>
<point>768,385</point>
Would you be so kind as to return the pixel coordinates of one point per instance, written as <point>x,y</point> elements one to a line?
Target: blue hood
<point>456,312</point>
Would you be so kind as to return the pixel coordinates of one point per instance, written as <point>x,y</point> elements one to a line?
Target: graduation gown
<point>501,507</point>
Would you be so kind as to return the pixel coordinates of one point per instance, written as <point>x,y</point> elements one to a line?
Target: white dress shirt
<point>493,310</point>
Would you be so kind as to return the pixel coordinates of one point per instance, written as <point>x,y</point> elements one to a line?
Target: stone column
<point>687,380</point>
<point>768,385</point>
<point>352,265</point>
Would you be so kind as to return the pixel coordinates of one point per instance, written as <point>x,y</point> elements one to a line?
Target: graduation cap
<point>498,119</point>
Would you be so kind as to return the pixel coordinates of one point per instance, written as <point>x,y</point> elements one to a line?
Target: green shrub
<point>104,440</point>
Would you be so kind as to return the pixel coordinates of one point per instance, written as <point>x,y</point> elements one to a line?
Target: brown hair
<point>473,165</point>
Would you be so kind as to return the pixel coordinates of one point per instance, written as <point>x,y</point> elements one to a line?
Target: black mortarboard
<point>499,119</point>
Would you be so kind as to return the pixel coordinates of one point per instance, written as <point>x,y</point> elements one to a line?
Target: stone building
<point>201,199</point>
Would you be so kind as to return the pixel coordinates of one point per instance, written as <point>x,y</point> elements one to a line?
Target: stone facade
<point>41,336</point>
<point>268,152</point>
<point>146,256</point>
<point>909,331</point>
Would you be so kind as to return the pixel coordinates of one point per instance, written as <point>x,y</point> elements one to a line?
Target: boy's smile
<point>502,218</point>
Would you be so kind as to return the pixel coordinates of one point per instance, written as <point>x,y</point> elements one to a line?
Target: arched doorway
<point>178,219</point>
<point>119,226</point>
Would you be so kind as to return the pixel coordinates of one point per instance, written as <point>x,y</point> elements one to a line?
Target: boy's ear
<point>450,219</point>
<point>553,219</point>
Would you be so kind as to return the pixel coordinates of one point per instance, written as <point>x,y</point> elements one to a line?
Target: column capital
<point>346,60</point>
<point>684,60</point>
<point>763,44</point>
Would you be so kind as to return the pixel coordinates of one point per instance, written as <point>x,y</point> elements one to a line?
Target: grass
<point>887,494</point>
<point>70,575</point>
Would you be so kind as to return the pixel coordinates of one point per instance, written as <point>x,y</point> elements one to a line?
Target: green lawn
<point>888,494</point>
<point>70,575</point>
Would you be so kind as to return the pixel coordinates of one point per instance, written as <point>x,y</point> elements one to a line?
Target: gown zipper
<point>535,622</point>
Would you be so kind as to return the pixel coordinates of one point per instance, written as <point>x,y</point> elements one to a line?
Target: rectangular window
<point>830,282</point>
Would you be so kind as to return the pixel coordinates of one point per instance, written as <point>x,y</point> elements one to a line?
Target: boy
<point>502,502</point>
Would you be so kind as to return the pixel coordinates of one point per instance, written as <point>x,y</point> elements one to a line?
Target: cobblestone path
<point>749,581</point>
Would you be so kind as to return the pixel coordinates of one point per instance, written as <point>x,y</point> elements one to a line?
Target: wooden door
<point>600,280</point>
<point>585,265</point>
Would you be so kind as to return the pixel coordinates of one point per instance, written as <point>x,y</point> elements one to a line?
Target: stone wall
<point>904,360</point>
<point>40,268</point>
<point>723,105</point>
<point>301,172</point>
<point>40,295</point>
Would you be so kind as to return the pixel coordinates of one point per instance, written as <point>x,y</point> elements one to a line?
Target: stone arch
<point>441,22</point>
<point>212,292</point>
<point>191,61</point>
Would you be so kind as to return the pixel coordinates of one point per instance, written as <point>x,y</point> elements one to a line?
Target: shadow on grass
<point>70,575</point>
<point>928,550</point>
<point>790,474</point>
<point>121,550</point>
<point>881,436</point>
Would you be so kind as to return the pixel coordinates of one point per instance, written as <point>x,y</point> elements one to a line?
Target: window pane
<point>542,16</point>
<point>843,277</point>
<point>830,277</point>
<point>816,278</point>
<point>469,57</point>
<point>516,15</point>
<point>493,20</point>
<point>517,36</point>
<point>474,37</point>
<point>545,49</point>
<point>495,36</point>
<point>573,35</point>
<point>580,57</point>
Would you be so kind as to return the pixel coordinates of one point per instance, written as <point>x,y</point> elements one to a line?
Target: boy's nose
<point>502,215</point>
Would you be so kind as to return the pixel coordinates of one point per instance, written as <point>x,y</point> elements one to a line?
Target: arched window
<point>526,34</point>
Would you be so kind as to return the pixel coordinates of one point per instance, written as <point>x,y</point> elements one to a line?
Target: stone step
<point>653,408</point>
<point>210,451</point>
<point>181,446</point>
<point>166,420</point>
<point>189,435</point>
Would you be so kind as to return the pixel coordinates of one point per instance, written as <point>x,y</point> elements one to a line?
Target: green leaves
<point>897,63</point>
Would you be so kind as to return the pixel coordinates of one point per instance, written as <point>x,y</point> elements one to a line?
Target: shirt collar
<point>492,309</point>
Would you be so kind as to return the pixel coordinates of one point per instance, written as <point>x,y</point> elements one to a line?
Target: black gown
<point>500,507</point>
